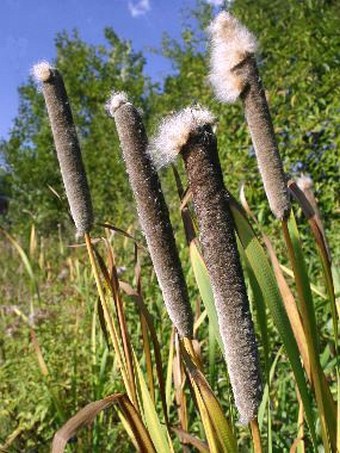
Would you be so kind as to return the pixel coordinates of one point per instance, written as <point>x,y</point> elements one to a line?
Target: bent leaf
<point>220,436</point>
<point>87,414</point>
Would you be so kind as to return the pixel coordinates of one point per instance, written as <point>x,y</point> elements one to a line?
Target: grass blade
<point>55,398</point>
<point>108,317</point>
<point>307,343</point>
<point>135,422</point>
<point>157,430</point>
<point>314,288</point>
<point>291,308</point>
<point>144,328</point>
<point>204,286</point>
<point>220,435</point>
<point>267,283</point>
<point>157,350</point>
<point>260,309</point>
<point>168,381</point>
<point>179,378</point>
<point>26,262</point>
<point>317,229</point>
<point>326,407</point>
<point>111,279</point>
<point>87,414</point>
<point>266,394</point>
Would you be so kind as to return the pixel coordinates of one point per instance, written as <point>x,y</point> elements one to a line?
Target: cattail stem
<point>188,345</point>
<point>122,326</point>
<point>67,145</point>
<point>179,379</point>
<point>305,304</point>
<point>327,417</point>
<point>299,192</point>
<point>255,431</point>
<point>325,257</point>
<point>130,388</point>
<point>305,184</point>
<point>152,212</point>
<point>305,197</point>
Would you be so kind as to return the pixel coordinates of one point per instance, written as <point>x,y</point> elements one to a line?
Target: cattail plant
<point>234,74</point>
<point>76,187</point>
<point>305,184</point>
<point>67,145</point>
<point>152,212</point>
<point>189,133</point>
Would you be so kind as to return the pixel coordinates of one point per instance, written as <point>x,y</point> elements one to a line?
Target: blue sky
<point>28,27</point>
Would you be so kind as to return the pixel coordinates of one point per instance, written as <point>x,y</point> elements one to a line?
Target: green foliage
<point>298,62</point>
<point>299,44</point>
<point>91,73</point>
<point>80,369</point>
<point>299,65</point>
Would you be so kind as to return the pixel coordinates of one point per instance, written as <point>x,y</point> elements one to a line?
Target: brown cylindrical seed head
<point>189,133</point>
<point>152,212</point>
<point>234,73</point>
<point>67,146</point>
<point>263,138</point>
<point>222,260</point>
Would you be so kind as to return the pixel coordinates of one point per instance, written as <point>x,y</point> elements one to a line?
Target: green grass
<point>82,369</point>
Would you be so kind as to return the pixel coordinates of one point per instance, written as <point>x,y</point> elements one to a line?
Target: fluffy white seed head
<point>174,132</point>
<point>305,182</point>
<point>116,100</point>
<point>42,71</point>
<point>231,42</point>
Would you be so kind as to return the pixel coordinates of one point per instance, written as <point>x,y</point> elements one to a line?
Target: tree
<point>299,66</point>
<point>298,63</point>
<point>90,74</point>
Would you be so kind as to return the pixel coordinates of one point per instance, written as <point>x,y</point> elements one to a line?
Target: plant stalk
<point>327,431</point>
<point>109,321</point>
<point>255,431</point>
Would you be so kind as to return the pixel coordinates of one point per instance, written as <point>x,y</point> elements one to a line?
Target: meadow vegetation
<point>56,349</point>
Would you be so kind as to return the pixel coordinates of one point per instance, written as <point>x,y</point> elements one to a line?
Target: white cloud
<point>216,2</point>
<point>139,8</point>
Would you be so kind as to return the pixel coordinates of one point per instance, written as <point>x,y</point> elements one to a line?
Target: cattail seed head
<point>116,100</point>
<point>42,71</point>
<point>174,132</point>
<point>234,74</point>
<point>220,253</point>
<point>305,182</point>
<point>152,212</point>
<point>231,43</point>
<point>306,185</point>
<point>67,145</point>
